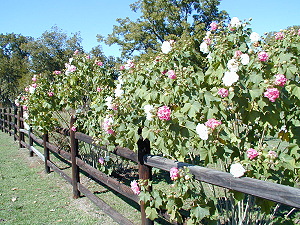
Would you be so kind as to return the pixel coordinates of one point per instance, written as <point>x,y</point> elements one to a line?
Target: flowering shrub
<point>221,96</point>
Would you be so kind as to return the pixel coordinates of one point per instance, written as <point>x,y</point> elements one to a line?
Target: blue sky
<point>92,17</point>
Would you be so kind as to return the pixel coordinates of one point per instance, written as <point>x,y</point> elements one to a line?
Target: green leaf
<point>200,212</point>
<point>151,213</point>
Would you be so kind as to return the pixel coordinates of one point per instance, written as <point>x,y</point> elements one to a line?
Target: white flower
<point>254,37</point>
<point>204,47</point>
<point>235,22</point>
<point>25,115</point>
<point>233,65</point>
<point>166,47</point>
<point>108,102</point>
<point>129,64</point>
<point>245,59</point>
<point>31,90</point>
<point>26,126</point>
<point>229,78</point>
<point>202,131</point>
<point>118,91</point>
<point>209,56</point>
<point>148,109</point>
<point>237,170</point>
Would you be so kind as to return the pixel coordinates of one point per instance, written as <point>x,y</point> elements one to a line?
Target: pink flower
<point>272,154</point>
<point>174,173</point>
<point>34,79</point>
<point>263,56</point>
<point>76,52</point>
<point>164,113</point>
<point>135,187</point>
<point>34,85</point>
<point>122,67</point>
<point>213,26</point>
<point>27,89</point>
<point>101,160</point>
<point>272,94</point>
<point>280,80</point>
<point>50,93</point>
<point>213,123</point>
<point>110,131</point>
<point>223,92</point>
<point>171,74</point>
<point>73,128</point>
<point>237,53</point>
<point>99,89</point>
<point>252,153</point>
<point>279,36</point>
<point>99,63</point>
<point>70,68</point>
<point>25,107</point>
<point>88,57</point>
<point>207,41</point>
<point>56,72</point>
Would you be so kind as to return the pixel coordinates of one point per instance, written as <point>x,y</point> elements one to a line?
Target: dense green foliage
<point>14,65</point>
<point>214,98</point>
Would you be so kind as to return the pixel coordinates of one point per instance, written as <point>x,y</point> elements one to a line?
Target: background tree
<point>161,20</point>
<point>52,50</point>
<point>13,66</point>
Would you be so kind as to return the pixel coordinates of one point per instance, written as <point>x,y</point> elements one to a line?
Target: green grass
<point>30,196</point>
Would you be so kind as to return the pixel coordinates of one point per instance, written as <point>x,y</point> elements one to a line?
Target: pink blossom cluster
<point>223,92</point>
<point>73,128</point>
<point>70,68</point>
<point>272,94</point>
<point>101,160</point>
<point>280,80</point>
<point>272,154</point>
<point>56,72</point>
<point>135,187</point>
<point>212,123</point>
<point>107,125</point>
<point>263,56</point>
<point>171,74</point>
<point>50,93</point>
<point>252,153</point>
<point>164,113</point>
<point>237,53</point>
<point>99,63</point>
<point>99,89</point>
<point>279,36</point>
<point>213,26</point>
<point>174,173</point>
<point>34,79</point>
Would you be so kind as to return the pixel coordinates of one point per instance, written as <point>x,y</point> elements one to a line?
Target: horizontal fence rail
<point>12,121</point>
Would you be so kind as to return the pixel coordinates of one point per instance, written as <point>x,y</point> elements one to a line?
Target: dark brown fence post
<point>9,121</point>
<point>145,173</point>
<point>4,120</point>
<point>46,151</point>
<point>30,140</point>
<point>1,119</point>
<point>74,154</point>
<point>21,126</point>
<point>15,122</point>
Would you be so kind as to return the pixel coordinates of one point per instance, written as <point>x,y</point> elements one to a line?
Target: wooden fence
<point>11,121</point>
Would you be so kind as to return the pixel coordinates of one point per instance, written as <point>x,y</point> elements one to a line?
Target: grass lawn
<point>30,196</point>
